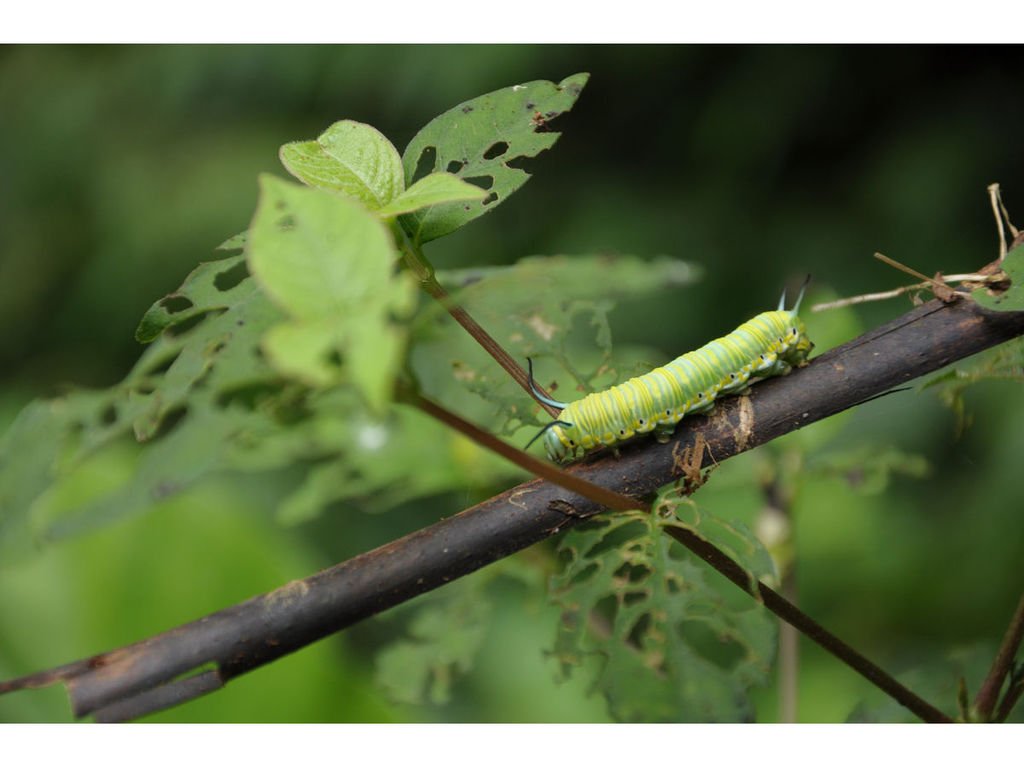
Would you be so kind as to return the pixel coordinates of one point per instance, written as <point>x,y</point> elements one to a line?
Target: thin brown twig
<point>547,471</point>
<point>988,694</point>
<point>973,277</point>
<point>1011,697</point>
<point>419,266</point>
<point>904,268</point>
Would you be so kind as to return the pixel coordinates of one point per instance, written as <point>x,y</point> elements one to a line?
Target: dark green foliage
<point>1006,363</point>
<point>671,645</point>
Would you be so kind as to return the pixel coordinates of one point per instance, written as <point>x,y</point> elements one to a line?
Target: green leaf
<point>1012,299</point>
<point>481,141</point>
<point>206,402</point>
<point>303,350</point>
<point>673,648</point>
<point>933,674</point>
<point>221,351</point>
<point>349,157</point>
<point>234,243</point>
<point>208,288</point>
<point>869,469</point>
<point>1004,363</point>
<point>328,262</point>
<point>444,640</point>
<point>445,629</point>
<point>199,446</point>
<point>32,453</point>
<point>432,190</point>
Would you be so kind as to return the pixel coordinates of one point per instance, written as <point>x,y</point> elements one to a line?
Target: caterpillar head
<point>803,344</point>
<point>556,442</point>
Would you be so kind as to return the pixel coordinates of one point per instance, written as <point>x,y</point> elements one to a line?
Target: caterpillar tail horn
<point>536,393</point>
<point>803,290</point>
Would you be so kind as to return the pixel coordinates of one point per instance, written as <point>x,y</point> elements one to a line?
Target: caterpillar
<point>770,344</point>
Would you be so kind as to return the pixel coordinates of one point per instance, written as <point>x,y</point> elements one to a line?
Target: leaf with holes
<point>445,630</point>
<point>328,262</point>
<point>674,649</point>
<point>435,189</point>
<point>482,141</point>
<point>219,346</point>
<point>208,288</point>
<point>444,640</point>
<point>352,158</point>
<point>34,451</point>
<point>1012,299</point>
<point>198,446</point>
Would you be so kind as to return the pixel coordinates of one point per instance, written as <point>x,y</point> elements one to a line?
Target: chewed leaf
<point>674,649</point>
<point>432,190</point>
<point>212,286</point>
<point>1012,299</point>
<point>349,157</point>
<point>732,537</point>
<point>483,141</point>
<point>443,641</point>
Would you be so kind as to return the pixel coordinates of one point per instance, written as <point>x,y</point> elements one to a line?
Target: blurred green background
<point>122,167</point>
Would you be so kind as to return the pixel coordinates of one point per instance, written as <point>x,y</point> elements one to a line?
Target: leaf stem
<point>424,272</point>
<point>1012,695</point>
<point>988,694</point>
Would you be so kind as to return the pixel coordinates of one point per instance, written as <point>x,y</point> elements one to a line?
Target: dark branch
<point>253,633</point>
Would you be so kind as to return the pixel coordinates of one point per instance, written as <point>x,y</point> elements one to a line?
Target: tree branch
<point>139,678</point>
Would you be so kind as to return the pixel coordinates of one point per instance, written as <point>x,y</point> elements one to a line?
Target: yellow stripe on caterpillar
<point>770,344</point>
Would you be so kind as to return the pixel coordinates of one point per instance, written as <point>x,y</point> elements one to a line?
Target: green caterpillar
<point>770,344</point>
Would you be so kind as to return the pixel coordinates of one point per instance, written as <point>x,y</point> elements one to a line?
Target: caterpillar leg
<point>779,368</point>
<point>663,432</point>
